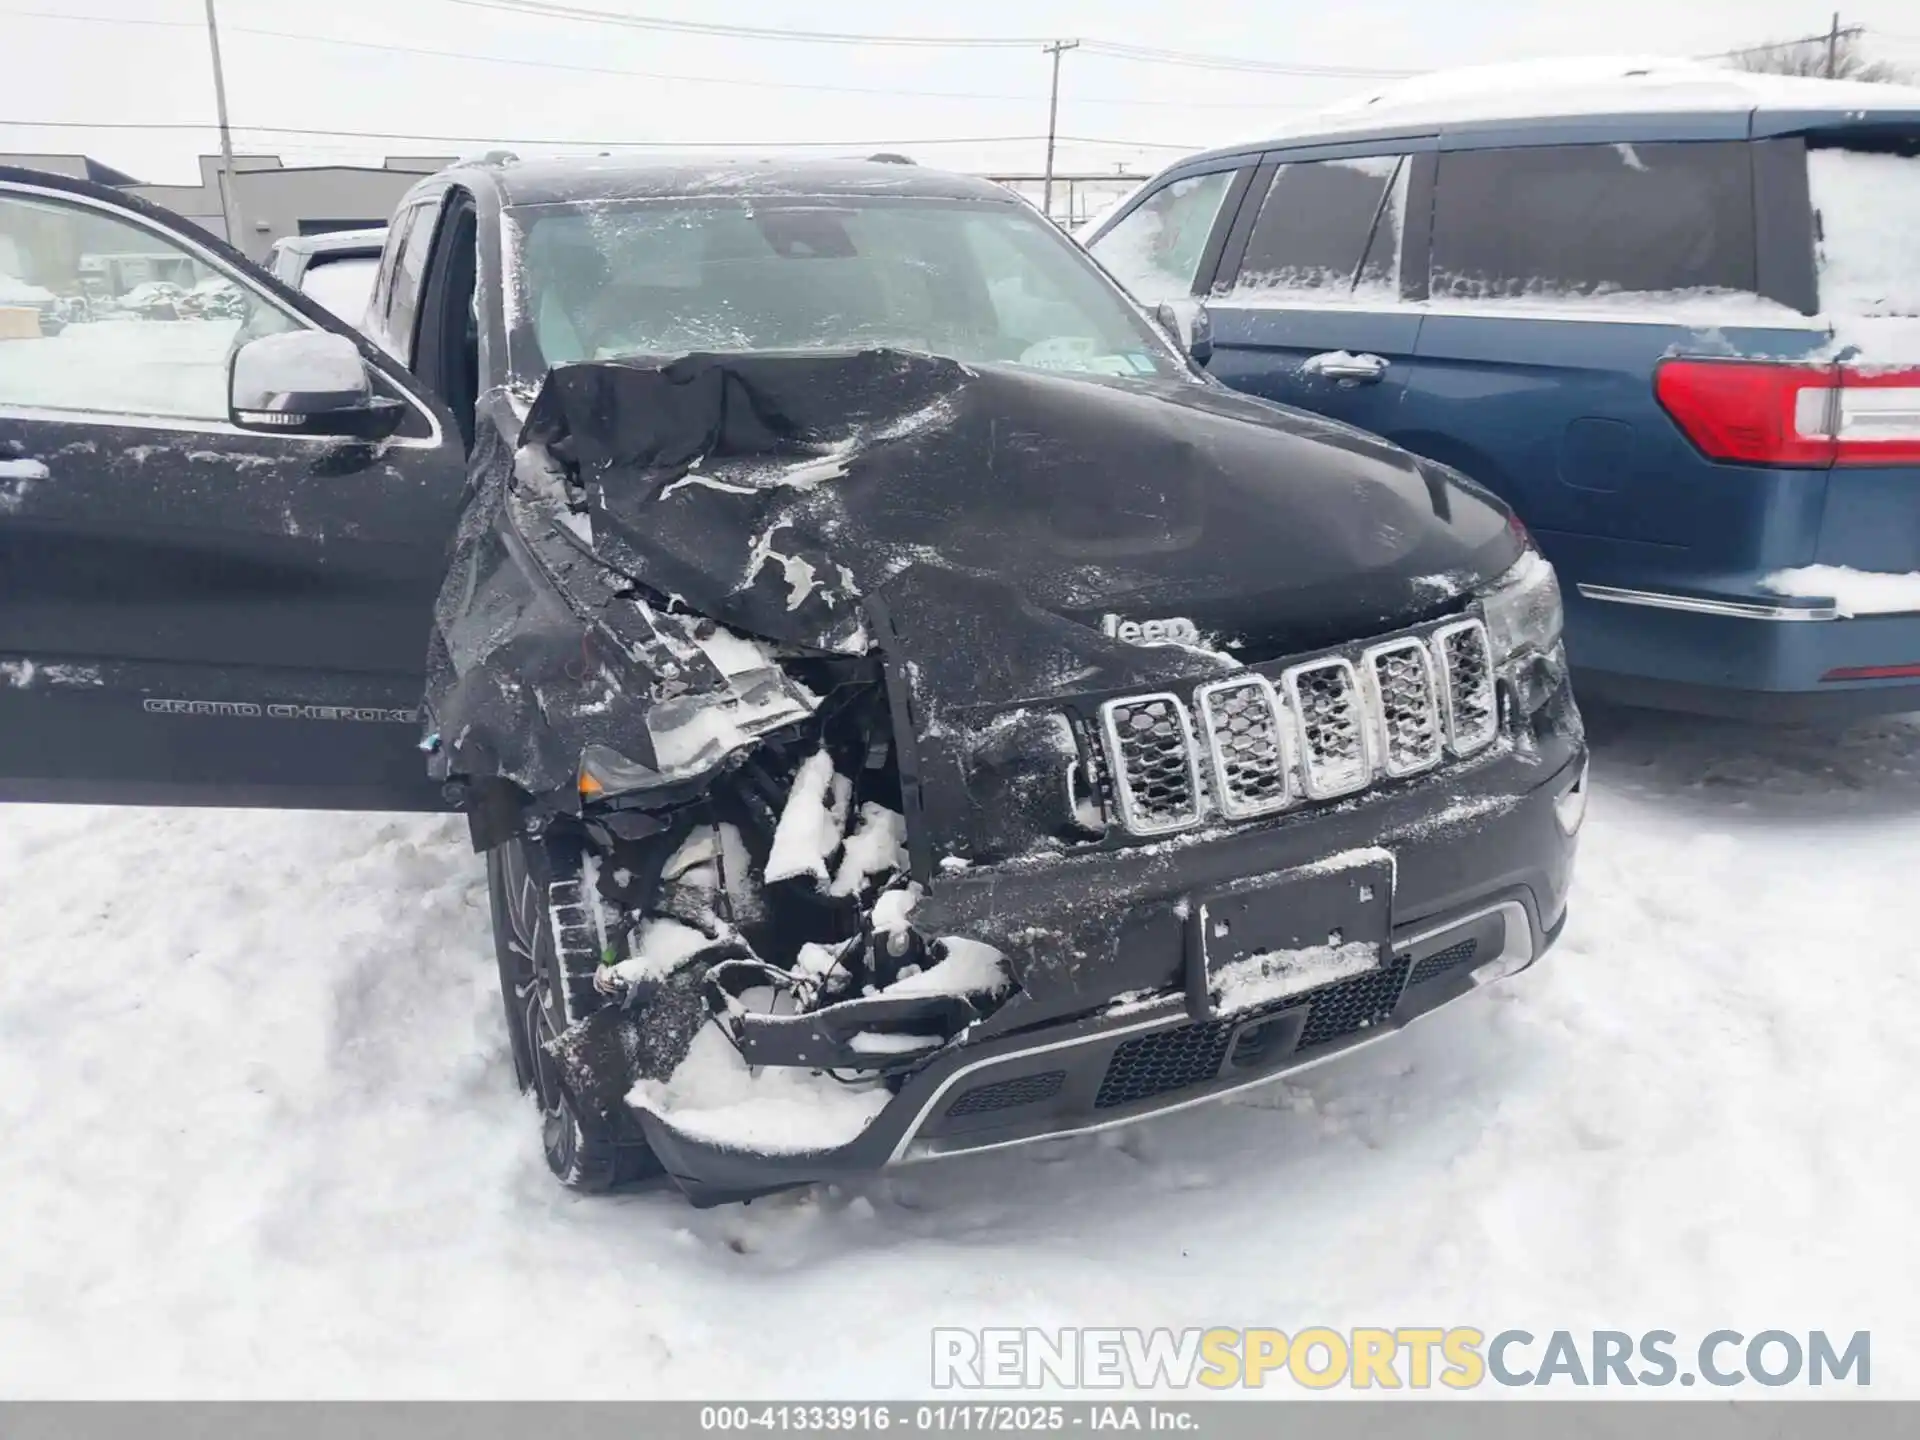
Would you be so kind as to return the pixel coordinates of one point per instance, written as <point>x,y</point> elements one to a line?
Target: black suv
<point>907,708</point>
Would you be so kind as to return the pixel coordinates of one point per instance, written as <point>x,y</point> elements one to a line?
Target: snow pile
<point>1337,359</point>
<point>1853,592</point>
<point>24,470</point>
<point>715,1096</point>
<point>889,913</point>
<point>878,846</point>
<point>657,949</point>
<point>1595,85</point>
<point>321,370</point>
<point>298,1106</point>
<point>969,968</point>
<point>1275,975</point>
<point>15,291</point>
<point>812,823</point>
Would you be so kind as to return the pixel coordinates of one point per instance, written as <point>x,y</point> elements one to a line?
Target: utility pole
<point>1056,49</point>
<point>229,198</point>
<point>1833,46</point>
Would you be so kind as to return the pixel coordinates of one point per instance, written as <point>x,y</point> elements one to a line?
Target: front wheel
<point>545,987</point>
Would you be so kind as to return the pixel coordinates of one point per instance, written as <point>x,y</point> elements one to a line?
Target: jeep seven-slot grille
<point>1329,728</point>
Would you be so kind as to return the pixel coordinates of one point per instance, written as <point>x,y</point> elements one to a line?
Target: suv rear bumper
<point>1485,896</point>
<point>1744,657</point>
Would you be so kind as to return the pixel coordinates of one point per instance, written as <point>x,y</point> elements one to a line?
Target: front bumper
<point>1482,866</point>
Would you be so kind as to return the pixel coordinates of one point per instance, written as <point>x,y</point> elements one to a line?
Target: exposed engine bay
<point>764,647</point>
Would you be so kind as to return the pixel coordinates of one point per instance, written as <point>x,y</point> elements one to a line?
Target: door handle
<point>1347,368</point>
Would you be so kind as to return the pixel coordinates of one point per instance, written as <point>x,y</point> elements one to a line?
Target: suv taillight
<point>1760,412</point>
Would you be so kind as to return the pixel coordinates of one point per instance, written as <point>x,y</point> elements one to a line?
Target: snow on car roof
<point>330,241</point>
<point>628,177</point>
<point>1583,86</point>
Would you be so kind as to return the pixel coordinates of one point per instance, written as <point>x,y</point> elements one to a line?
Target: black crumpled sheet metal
<point>971,524</point>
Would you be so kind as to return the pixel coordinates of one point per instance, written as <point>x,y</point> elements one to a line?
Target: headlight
<point>1523,609</point>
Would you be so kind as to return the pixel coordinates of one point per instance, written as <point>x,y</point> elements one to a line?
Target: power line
<point>731,80</point>
<point>549,9</point>
<point>1845,32</point>
<point>736,81</point>
<point>1198,60</point>
<point>106,19</point>
<point>760,145</point>
<point>546,10</point>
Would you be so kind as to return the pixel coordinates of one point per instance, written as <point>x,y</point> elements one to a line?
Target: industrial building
<point>274,200</point>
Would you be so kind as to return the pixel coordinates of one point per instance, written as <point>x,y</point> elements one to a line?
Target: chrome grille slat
<point>1245,732</point>
<point>1406,706</point>
<point>1467,685</point>
<point>1332,727</point>
<point>1155,762</point>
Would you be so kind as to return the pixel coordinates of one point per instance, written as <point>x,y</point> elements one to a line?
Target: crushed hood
<point>1004,509</point>
<point>986,531</point>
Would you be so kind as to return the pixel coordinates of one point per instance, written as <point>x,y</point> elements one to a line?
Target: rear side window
<point>1558,221</point>
<point>1328,228</point>
<point>1866,206</point>
<point>1155,252</point>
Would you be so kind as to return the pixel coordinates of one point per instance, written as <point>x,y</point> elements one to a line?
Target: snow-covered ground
<point>258,1135</point>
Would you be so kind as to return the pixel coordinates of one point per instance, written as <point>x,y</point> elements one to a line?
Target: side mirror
<point>308,382</point>
<point>1189,324</point>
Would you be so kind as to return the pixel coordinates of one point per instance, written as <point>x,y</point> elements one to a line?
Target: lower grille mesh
<point>1363,1001</point>
<point>1166,1060</point>
<point>1442,961</point>
<point>1005,1094</point>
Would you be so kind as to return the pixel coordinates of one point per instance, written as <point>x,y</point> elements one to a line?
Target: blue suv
<point>1671,314</point>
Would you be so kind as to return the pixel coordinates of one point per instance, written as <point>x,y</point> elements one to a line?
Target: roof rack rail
<point>888,157</point>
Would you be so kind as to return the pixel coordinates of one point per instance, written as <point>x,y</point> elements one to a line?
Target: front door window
<point>102,316</point>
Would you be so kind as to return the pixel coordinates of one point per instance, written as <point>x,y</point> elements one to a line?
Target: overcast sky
<point>145,62</point>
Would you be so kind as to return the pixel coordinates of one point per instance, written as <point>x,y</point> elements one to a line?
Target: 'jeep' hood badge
<point>1175,630</point>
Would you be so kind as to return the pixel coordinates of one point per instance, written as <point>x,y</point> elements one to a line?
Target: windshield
<point>970,281</point>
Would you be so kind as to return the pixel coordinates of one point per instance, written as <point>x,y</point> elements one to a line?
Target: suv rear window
<point>1555,221</point>
<point>1328,225</point>
<point>1866,206</point>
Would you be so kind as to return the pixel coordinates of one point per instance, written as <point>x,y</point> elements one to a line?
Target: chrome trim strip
<point>1231,807</point>
<point>1516,952</point>
<point>1123,785</point>
<point>204,426</point>
<point>1730,609</point>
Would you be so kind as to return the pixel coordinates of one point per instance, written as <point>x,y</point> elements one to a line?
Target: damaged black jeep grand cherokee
<point>906,707</point>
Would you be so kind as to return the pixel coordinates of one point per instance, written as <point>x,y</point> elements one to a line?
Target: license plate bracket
<point>1260,943</point>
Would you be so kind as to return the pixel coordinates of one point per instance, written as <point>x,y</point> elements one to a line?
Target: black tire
<point>542,999</point>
